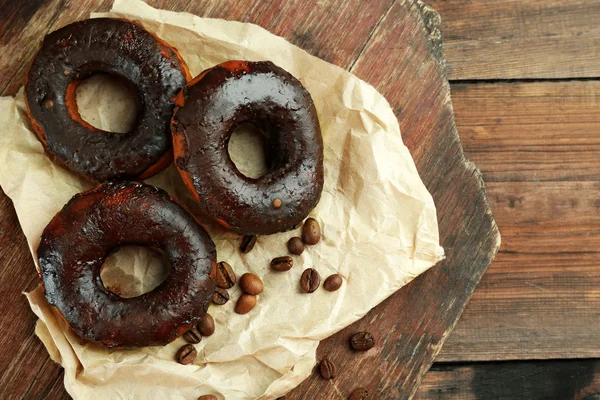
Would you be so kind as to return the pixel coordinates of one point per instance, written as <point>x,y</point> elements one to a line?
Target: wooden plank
<point>56,391</point>
<point>531,306</point>
<point>32,376</point>
<point>22,354</point>
<point>413,324</point>
<point>540,131</point>
<point>547,380</point>
<point>513,39</point>
<point>538,147</point>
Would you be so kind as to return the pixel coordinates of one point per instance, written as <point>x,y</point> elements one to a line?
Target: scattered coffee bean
<point>186,354</point>
<point>193,336</point>
<point>362,341</point>
<point>248,243</point>
<point>284,263</point>
<point>333,282</point>
<point>251,284</point>
<point>327,369</point>
<point>208,397</point>
<point>206,326</point>
<point>310,280</point>
<point>225,275</point>
<point>245,303</point>
<point>295,245</point>
<point>311,231</point>
<point>359,394</point>
<point>277,203</point>
<point>220,297</point>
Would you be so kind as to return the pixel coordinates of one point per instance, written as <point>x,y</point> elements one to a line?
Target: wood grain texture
<point>531,132</point>
<point>22,355</point>
<point>332,30</point>
<point>548,380</point>
<point>538,147</point>
<point>515,39</point>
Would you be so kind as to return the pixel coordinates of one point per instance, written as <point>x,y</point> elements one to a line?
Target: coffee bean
<point>206,326</point>
<point>362,341</point>
<point>186,354</point>
<point>333,282</point>
<point>225,275</point>
<point>310,280</point>
<point>245,303</point>
<point>284,263</point>
<point>251,284</point>
<point>327,368</point>
<point>359,394</point>
<point>220,297</point>
<point>208,397</point>
<point>248,243</point>
<point>193,336</point>
<point>311,231</point>
<point>295,245</point>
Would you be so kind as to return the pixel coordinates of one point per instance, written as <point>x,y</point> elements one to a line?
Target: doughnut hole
<point>248,149</point>
<point>108,102</point>
<point>133,270</point>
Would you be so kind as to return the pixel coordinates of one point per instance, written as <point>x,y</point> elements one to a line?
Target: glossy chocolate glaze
<point>76,243</point>
<point>125,50</point>
<point>209,110</point>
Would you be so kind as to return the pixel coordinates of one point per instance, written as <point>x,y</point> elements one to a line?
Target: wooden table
<point>527,107</point>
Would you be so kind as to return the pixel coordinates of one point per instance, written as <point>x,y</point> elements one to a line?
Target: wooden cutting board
<point>394,45</point>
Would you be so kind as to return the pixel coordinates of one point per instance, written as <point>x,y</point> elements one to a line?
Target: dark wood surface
<point>536,142</point>
<point>538,147</point>
<point>564,380</point>
<point>517,39</point>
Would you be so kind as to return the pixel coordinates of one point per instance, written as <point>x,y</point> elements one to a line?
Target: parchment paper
<point>378,221</point>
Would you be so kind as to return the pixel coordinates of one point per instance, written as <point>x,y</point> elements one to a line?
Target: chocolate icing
<point>125,50</point>
<point>263,94</point>
<point>76,243</point>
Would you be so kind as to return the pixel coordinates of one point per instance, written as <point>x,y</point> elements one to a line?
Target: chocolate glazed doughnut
<point>76,243</point>
<point>210,108</point>
<point>125,50</point>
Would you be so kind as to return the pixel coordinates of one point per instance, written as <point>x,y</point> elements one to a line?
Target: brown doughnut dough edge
<point>211,107</point>
<point>125,50</point>
<point>76,243</point>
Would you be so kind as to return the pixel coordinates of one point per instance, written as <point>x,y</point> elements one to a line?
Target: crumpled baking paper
<point>378,222</point>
